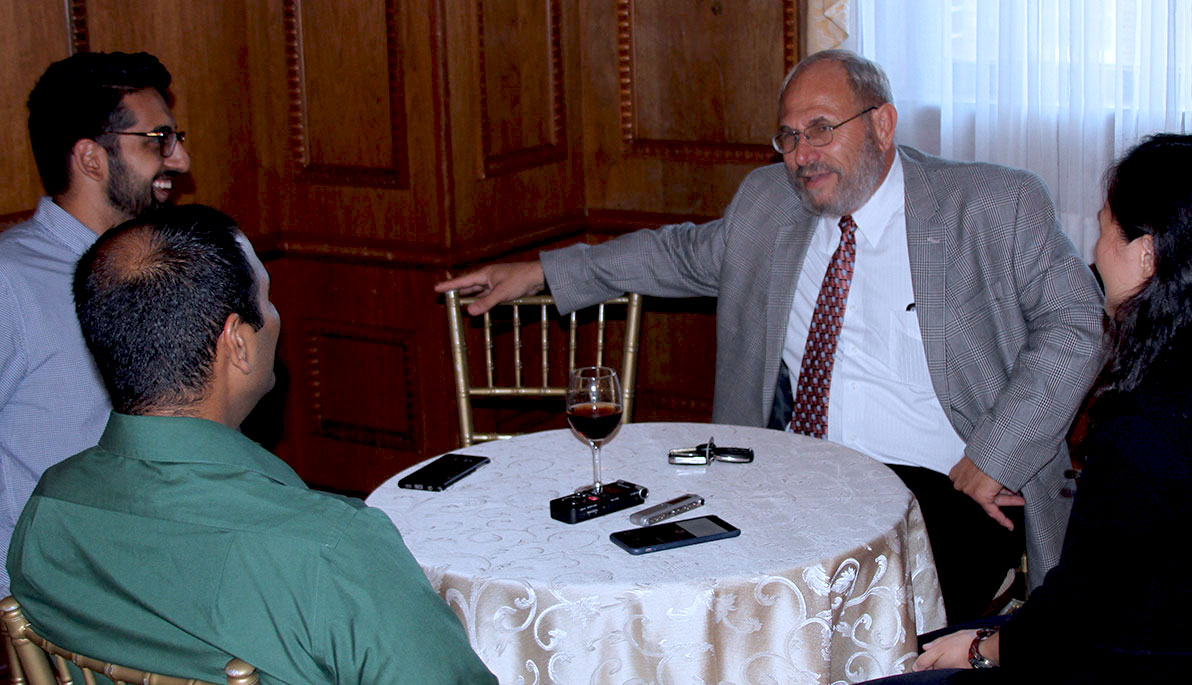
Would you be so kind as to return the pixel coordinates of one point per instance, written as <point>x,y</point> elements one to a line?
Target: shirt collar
<point>181,439</point>
<point>876,214</point>
<point>64,226</point>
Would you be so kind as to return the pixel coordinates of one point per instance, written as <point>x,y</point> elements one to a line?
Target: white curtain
<point>1060,87</point>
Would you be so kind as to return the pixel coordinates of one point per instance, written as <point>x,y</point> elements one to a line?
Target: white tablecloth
<point>829,581</point>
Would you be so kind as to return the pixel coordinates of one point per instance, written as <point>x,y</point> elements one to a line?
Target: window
<point>1059,87</point>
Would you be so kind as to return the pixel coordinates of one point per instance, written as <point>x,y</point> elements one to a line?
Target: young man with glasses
<point>928,313</point>
<point>107,148</point>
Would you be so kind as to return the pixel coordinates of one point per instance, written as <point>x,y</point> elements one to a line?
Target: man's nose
<point>804,152</point>
<point>179,159</point>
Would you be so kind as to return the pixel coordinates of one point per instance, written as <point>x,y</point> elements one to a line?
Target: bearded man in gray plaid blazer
<point>1009,316</point>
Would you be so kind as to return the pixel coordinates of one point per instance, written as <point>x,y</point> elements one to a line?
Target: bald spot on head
<point>133,254</point>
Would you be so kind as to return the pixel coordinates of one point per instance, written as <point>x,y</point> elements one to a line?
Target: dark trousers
<point>972,551</point>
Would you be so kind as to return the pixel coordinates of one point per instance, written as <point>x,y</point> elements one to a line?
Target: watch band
<point>976,659</point>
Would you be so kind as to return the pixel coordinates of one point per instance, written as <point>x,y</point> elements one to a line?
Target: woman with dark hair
<point>1117,607</point>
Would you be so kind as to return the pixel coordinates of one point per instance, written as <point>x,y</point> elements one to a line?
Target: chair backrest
<point>30,656</point>
<point>548,316</point>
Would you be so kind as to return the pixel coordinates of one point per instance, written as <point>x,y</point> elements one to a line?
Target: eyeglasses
<point>817,135</point>
<point>168,139</point>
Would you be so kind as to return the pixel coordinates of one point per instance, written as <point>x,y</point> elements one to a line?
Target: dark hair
<point>1150,192</point>
<point>866,79</point>
<point>81,97</point>
<point>152,296</point>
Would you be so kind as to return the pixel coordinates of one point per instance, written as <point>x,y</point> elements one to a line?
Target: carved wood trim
<point>388,253</point>
<point>441,96</point>
<point>342,174</point>
<point>690,150</point>
<point>598,222</point>
<point>76,21</point>
<point>315,331</point>
<point>618,221</point>
<point>538,155</point>
<point>790,35</point>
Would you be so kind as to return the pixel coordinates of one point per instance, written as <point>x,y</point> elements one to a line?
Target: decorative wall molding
<point>689,150</point>
<point>76,21</point>
<point>299,135</point>
<point>554,150</point>
<point>346,423</point>
<point>330,248</point>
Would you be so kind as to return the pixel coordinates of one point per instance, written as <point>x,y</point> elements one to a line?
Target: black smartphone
<point>442,472</point>
<point>674,534</point>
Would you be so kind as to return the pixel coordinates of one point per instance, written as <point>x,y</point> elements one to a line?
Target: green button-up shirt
<point>177,543</point>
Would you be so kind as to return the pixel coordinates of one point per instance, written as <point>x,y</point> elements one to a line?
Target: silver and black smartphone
<point>442,472</point>
<point>674,534</point>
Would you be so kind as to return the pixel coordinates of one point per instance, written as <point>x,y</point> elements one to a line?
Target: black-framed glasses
<point>168,139</point>
<point>817,135</point>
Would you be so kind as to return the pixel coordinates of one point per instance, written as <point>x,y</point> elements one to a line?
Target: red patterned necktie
<point>810,415</point>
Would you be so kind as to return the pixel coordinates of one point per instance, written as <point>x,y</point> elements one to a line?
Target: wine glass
<point>594,410</point>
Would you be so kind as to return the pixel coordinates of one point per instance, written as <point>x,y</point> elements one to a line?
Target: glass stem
<point>596,484</point>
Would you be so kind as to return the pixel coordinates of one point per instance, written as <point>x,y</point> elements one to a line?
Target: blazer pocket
<point>988,326</point>
<point>979,302</point>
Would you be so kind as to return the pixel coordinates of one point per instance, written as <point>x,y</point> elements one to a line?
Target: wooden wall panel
<point>695,86</point>
<point>360,86</point>
<point>697,76</point>
<point>44,38</point>
<point>369,380</point>
<point>514,100</point>
<point>521,94</point>
<point>349,123</point>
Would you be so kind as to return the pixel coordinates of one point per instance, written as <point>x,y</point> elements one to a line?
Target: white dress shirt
<point>881,401</point>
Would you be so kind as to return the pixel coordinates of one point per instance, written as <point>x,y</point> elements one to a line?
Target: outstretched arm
<point>497,283</point>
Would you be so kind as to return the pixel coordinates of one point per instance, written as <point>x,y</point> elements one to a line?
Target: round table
<point>829,582</point>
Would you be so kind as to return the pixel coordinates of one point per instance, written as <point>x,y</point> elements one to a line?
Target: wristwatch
<point>976,660</point>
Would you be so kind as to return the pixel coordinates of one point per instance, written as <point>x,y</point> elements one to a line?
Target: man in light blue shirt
<point>107,148</point>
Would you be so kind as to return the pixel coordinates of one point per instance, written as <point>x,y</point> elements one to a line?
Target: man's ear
<point>90,159</point>
<point>234,344</point>
<point>885,120</point>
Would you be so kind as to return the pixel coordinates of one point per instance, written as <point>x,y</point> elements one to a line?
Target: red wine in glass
<point>594,409</point>
<point>594,420</point>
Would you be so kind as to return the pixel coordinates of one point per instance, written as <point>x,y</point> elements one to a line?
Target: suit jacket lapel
<point>786,261</point>
<point>925,238</point>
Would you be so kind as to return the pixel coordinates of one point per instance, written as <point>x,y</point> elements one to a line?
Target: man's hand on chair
<point>497,283</point>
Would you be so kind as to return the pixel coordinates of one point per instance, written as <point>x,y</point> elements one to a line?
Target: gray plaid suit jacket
<point>1011,317</point>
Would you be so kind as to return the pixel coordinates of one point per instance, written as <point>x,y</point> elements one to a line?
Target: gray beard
<point>852,191</point>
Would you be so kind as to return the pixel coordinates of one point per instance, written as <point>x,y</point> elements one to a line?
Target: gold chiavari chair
<point>34,660</point>
<point>546,317</point>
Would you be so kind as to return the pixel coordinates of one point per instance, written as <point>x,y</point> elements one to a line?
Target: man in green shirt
<point>177,543</point>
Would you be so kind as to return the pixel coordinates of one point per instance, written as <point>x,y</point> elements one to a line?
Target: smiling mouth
<point>810,180</point>
<point>163,185</point>
<point>814,175</point>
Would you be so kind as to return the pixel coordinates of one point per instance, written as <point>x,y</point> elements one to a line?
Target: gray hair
<point>867,80</point>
